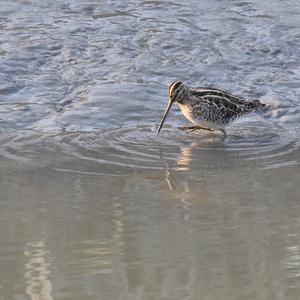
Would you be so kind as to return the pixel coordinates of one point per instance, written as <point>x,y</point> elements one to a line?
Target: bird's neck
<point>183,95</point>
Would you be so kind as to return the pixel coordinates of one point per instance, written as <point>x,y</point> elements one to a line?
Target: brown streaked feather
<point>219,106</point>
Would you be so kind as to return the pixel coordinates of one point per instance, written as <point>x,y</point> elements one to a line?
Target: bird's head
<point>175,92</point>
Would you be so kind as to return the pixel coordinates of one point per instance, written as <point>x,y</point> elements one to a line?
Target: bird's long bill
<point>164,116</point>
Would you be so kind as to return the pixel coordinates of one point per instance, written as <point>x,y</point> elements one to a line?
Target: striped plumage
<point>208,108</point>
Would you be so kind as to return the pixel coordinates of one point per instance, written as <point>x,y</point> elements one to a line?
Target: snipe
<point>207,108</point>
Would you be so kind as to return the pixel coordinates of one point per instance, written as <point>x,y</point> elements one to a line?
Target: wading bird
<point>207,108</point>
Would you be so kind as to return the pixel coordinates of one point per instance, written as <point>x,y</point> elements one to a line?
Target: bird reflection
<point>185,158</point>
<point>202,157</point>
<point>38,284</point>
<point>182,165</point>
<point>171,182</point>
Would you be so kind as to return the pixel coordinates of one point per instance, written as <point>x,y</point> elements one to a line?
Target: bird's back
<point>219,107</point>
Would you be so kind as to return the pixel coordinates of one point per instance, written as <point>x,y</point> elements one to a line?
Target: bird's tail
<point>254,105</point>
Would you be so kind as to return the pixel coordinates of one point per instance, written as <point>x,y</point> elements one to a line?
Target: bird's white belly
<point>187,112</point>
<point>198,121</point>
<point>208,124</point>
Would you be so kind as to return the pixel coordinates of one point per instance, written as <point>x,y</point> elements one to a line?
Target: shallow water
<point>95,205</point>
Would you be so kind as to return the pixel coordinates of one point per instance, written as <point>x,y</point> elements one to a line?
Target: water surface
<point>95,205</point>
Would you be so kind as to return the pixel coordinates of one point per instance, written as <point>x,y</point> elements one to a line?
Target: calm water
<point>94,205</point>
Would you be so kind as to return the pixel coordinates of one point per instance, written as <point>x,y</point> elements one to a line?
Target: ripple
<point>56,83</point>
<point>127,147</point>
<point>269,147</point>
<point>116,152</point>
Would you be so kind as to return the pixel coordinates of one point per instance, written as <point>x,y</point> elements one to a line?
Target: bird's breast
<point>187,112</point>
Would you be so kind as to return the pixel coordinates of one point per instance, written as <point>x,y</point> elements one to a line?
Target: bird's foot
<point>198,127</point>
<point>193,128</point>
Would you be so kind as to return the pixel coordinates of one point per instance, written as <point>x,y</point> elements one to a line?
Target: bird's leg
<point>188,128</point>
<point>193,128</point>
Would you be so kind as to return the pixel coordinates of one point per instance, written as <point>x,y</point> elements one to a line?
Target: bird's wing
<point>208,91</point>
<point>221,106</point>
<point>218,106</point>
